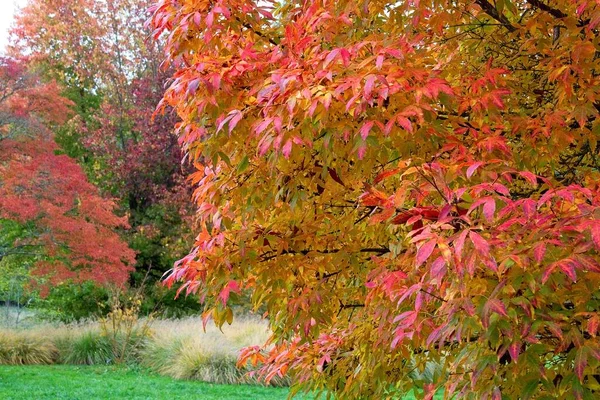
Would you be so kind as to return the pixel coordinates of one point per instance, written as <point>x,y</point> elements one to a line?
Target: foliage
<point>71,302</point>
<point>88,348</point>
<point>24,97</point>
<point>66,225</point>
<point>75,226</point>
<point>403,185</point>
<point>99,51</point>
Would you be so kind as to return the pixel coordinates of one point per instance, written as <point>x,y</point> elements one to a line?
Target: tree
<point>108,65</point>
<point>73,224</point>
<point>410,188</point>
<point>62,220</point>
<point>24,98</point>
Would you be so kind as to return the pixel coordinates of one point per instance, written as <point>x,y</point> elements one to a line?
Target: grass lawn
<point>98,383</point>
<point>67,382</point>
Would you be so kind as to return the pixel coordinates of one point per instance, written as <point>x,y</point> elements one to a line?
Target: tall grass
<point>177,348</point>
<point>183,350</point>
<point>26,348</point>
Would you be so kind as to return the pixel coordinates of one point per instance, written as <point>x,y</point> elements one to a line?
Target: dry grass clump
<point>187,358</point>
<point>77,344</point>
<point>21,348</point>
<point>181,349</point>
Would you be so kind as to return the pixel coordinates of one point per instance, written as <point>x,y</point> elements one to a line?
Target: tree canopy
<point>410,188</point>
<point>66,226</point>
<point>106,63</point>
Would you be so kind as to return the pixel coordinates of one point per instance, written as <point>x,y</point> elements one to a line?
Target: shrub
<point>69,302</point>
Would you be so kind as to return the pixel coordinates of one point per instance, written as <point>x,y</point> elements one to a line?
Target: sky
<point>7,10</point>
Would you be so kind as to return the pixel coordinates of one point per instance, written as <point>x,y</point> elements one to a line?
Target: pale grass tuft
<point>183,350</point>
<point>24,348</point>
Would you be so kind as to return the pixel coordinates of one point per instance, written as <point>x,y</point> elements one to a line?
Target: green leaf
<point>243,165</point>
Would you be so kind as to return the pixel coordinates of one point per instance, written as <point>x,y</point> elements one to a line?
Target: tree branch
<point>376,250</point>
<point>257,32</point>
<point>544,7</point>
<point>490,10</point>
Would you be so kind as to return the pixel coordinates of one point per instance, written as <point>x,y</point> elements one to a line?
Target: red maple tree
<point>74,225</point>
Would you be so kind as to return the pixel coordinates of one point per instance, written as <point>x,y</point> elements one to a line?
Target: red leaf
<point>379,61</point>
<point>489,207</point>
<point>234,120</point>
<point>580,362</point>
<point>384,174</point>
<point>529,177</point>
<point>418,301</point>
<point>405,123</point>
<point>496,395</point>
<point>287,149</point>
<point>538,252</point>
<point>345,57</point>
<point>592,325</point>
<point>369,83</point>
<point>425,251</point>
<point>262,126</point>
<point>497,306</point>
<point>362,150</point>
<point>481,245</point>
<point>568,267</point>
<point>459,243</point>
<point>330,57</point>
<point>438,268</point>
<point>472,168</point>
<point>366,128</point>
<point>513,350</point>
<point>595,230</point>
<point>547,272</point>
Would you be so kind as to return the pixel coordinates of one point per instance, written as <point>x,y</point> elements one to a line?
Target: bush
<point>69,302</point>
<point>89,348</point>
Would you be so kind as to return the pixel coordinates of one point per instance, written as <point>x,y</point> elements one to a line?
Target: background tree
<point>52,212</point>
<point>100,52</point>
<point>410,188</point>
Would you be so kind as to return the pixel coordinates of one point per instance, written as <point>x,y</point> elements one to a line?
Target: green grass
<point>94,382</point>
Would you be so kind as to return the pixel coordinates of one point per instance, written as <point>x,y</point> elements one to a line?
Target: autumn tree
<point>73,225</point>
<point>25,98</point>
<point>62,220</point>
<point>107,63</point>
<point>409,187</point>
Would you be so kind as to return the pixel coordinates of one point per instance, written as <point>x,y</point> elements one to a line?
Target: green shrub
<point>159,355</point>
<point>20,348</point>
<point>70,302</point>
<point>207,366</point>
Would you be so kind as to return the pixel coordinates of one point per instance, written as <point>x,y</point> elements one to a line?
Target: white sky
<point>7,10</point>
